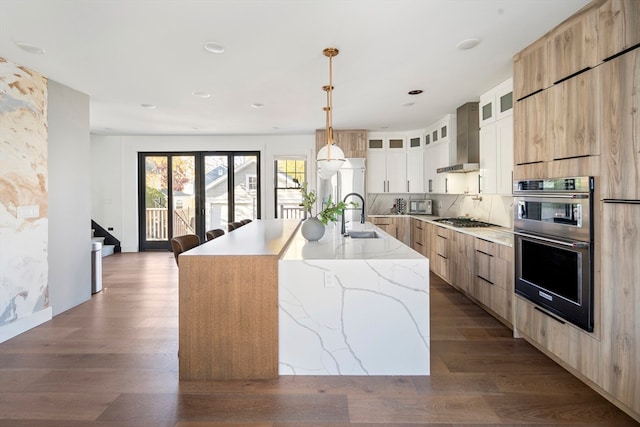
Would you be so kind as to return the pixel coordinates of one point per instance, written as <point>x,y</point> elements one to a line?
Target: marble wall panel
<point>23,193</point>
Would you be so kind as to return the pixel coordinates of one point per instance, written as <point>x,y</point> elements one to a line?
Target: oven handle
<point>574,245</point>
<point>552,196</point>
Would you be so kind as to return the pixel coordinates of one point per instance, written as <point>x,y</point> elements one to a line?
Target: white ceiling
<point>124,53</point>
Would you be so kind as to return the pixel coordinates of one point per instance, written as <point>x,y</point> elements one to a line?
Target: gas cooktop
<point>464,222</point>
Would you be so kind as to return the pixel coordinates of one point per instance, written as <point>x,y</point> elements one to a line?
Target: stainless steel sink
<point>365,234</point>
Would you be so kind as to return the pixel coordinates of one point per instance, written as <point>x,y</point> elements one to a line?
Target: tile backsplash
<point>495,209</point>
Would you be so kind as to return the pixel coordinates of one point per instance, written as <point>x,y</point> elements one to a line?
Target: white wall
<point>69,198</point>
<point>114,171</point>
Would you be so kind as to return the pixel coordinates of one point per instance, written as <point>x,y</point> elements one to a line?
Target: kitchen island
<point>261,301</point>
<point>353,306</point>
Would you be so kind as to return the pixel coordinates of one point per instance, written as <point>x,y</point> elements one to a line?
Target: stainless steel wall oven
<point>554,246</point>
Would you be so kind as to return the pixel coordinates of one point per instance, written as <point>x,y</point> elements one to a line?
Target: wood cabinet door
<point>572,119</point>
<point>621,302</point>
<point>530,131</point>
<point>618,27</point>
<point>529,70</point>
<point>387,225</point>
<point>573,47</point>
<point>353,142</point>
<point>620,126</point>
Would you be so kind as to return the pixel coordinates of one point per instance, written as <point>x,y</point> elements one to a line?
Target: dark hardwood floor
<point>113,362</point>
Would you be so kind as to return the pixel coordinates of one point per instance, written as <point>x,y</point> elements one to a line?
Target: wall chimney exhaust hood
<point>467,140</point>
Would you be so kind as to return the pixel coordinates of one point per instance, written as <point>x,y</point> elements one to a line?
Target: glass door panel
<point>245,187</point>
<point>156,206</point>
<point>183,195</point>
<point>216,194</point>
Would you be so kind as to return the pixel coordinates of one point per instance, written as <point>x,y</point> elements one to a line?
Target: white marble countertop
<point>259,237</point>
<point>496,234</point>
<point>337,247</point>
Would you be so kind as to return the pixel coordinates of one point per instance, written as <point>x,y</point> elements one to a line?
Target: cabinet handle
<point>408,186</point>
<point>485,280</point>
<point>479,184</point>
<point>446,185</point>
<point>430,186</point>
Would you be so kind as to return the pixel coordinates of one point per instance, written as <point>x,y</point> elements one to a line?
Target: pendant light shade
<point>330,157</point>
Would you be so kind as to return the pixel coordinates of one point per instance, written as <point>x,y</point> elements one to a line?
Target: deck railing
<point>156,224</point>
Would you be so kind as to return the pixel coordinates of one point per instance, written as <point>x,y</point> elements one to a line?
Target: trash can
<point>96,267</point>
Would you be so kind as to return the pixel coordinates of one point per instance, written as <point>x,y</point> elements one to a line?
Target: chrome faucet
<point>343,229</point>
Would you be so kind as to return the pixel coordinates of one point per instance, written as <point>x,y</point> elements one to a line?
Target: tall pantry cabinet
<point>577,112</point>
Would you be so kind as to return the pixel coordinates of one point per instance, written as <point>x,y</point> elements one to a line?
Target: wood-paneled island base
<point>228,303</point>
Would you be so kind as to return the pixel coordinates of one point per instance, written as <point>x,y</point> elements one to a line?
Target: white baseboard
<point>24,324</point>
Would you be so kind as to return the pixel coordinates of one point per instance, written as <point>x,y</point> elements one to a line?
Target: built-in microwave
<point>420,207</point>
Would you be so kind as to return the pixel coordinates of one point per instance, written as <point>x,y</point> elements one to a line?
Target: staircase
<point>106,249</point>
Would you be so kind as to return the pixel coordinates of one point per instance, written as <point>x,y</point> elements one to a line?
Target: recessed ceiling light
<point>148,106</point>
<point>468,44</point>
<point>257,105</point>
<point>31,48</point>
<point>201,94</point>
<point>415,92</point>
<point>213,47</point>
<point>408,104</point>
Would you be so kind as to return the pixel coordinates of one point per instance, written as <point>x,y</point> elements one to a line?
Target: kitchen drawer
<point>575,347</point>
<point>494,297</point>
<point>489,248</point>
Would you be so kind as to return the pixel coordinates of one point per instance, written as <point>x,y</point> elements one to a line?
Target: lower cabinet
<point>387,224</point>
<point>397,226</point>
<point>464,273</point>
<point>481,269</point>
<point>579,349</point>
<point>443,252</point>
<point>494,278</point>
<point>621,302</point>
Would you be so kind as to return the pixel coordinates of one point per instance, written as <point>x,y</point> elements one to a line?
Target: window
<point>289,176</point>
<point>252,183</point>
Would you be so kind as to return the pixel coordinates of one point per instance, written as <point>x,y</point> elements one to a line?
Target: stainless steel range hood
<point>467,140</point>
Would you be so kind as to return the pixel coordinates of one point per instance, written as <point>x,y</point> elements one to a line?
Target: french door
<point>192,192</point>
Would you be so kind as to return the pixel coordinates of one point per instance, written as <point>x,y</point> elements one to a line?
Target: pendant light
<point>330,157</point>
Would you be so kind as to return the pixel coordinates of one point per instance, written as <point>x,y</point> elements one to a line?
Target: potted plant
<point>313,226</point>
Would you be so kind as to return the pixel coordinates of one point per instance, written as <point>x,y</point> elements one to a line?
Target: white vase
<point>312,229</point>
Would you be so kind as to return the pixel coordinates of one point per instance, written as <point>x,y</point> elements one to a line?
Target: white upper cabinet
<point>415,164</point>
<point>496,140</point>
<point>386,164</point>
<point>497,103</point>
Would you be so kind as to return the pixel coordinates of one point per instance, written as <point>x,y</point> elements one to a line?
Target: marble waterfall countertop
<point>335,246</point>
<point>353,306</point>
<point>496,234</point>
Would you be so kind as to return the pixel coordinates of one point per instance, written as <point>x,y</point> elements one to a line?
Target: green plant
<point>332,210</point>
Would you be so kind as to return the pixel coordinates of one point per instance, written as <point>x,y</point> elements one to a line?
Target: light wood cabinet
<point>574,134</point>
<point>572,46</point>
<point>443,252</point>
<point>403,229</point>
<point>353,142</point>
<point>530,130</point>
<point>620,128</point>
<point>493,281</point>
<point>578,349</point>
<point>529,70</point>
<point>399,227</point>
<point>618,24</point>
<point>387,224</point>
<point>464,262</point>
<point>620,302</point>
<point>419,239</point>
